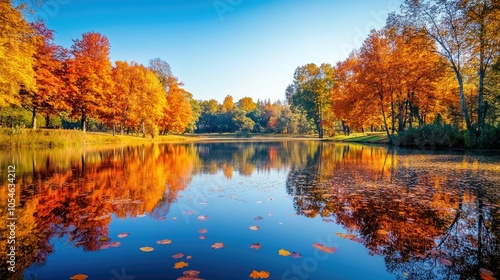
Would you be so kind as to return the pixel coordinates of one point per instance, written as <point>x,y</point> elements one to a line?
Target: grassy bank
<point>375,137</point>
<point>46,138</point>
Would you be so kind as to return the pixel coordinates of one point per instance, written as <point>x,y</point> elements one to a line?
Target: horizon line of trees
<point>434,60</point>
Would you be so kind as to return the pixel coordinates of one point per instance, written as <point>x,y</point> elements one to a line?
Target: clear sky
<point>220,47</point>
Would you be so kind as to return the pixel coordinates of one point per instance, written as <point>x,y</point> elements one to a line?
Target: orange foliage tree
<point>89,76</point>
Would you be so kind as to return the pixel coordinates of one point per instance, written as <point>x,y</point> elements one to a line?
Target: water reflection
<point>432,216</point>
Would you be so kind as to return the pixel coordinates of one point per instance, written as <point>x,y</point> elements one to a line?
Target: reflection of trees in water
<point>430,219</point>
<point>76,195</point>
<point>248,157</point>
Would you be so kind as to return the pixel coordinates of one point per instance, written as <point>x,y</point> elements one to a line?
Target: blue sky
<point>223,47</point>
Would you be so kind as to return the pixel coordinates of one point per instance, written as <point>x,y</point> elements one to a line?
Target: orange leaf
<point>259,274</point>
<point>179,265</point>
<point>218,245</point>
<point>324,248</point>
<point>283,252</point>
<point>164,241</point>
<point>147,249</point>
<point>79,277</point>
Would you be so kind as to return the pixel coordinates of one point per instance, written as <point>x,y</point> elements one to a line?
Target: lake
<point>252,210</point>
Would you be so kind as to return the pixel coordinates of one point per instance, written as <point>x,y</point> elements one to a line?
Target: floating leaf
<point>203,203</point>
<point>203,230</point>
<point>178,255</point>
<point>254,227</point>
<point>164,242</point>
<point>79,277</point>
<point>324,248</point>
<point>352,237</point>
<point>255,246</point>
<point>328,221</point>
<point>188,257</point>
<point>203,217</point>
<point>259,274</point>
<point>217,245</point>
<point>382,232</point>
<point>179,265</point>
<point>104,239</point>
<point>147,249</point>
<point>123,235</point>
<point>486,274</point>
<point>307,211</point>
<point>174,218</point>
<point>295,255</point>
<point>110,245</point>
<point>284,253</point>
<point>202,237</point>
<point>270,213</point>
<point>190,275</point>
<point>258,218</point>
<point>189,212</point>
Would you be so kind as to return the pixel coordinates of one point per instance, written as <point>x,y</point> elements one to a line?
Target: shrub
<point>430,136</point>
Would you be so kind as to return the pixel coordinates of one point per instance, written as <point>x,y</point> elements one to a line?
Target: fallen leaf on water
<point>147,249</point>
<point>111,245</point>
<point>295,255</point>
<point>203,230</point>
<point>189,275</point>
<point>189,212</point>
<point>324,248</point>
<point>307,211</point>
<point>255,246</point>
<point>189,257</point>
<point>79,277</point>
<point>258,218</point>
<point>486,274</point>
<point>203,217</point>
<point>202,237</point>
<point>203,203</point>
<point>328,220</point>
<point>259,274</point>
<point>164,242</point>
<point>104,239</point>
<point>284,253</point>
<point>174,218</point>
<point>178,255</point>
<point>179,265</point>
<point>270,213</point>
<point>217,245</point>
<point>123,235</point>
<point>382,232</point>
<point>254,227</point>
<point>352,237</point>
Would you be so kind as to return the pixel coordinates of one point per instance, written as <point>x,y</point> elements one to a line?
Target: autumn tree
<point>466,32</point>
<point>47,65</point>
<point>89,75</point>
<point>311,92</point>
<point>178,113</point>
<point>247,104</point>
<point>17,47</point>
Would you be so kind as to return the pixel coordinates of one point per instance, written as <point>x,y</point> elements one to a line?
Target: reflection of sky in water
<point>416,214</point>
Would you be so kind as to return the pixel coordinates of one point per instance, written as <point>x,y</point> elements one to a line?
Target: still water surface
<point>293,209</point>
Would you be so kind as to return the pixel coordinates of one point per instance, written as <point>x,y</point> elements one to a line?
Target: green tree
<point>311,92</point>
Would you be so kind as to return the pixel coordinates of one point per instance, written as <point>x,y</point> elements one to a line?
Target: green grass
<point>375,137</point>
<point>14,138</point>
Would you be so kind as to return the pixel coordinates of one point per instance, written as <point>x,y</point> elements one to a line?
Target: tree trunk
<point>84,122</point>
<point>47,121</point>
<point>33,118</point>
<point>463,103</point>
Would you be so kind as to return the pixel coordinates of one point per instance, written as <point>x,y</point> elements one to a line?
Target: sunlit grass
<point>375,137</point>
<point>28,138</point>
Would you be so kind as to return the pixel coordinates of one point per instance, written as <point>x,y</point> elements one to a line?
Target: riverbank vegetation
<point>429,78</point>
